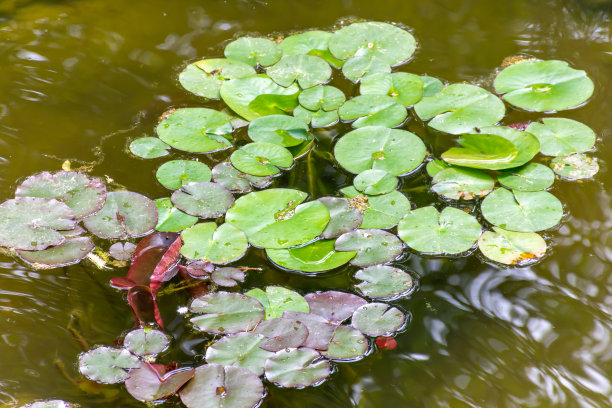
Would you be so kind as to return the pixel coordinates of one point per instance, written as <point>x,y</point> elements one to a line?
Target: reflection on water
<point>80,78</point>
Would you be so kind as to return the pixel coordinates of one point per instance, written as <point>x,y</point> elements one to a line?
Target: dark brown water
<point>79,79</point>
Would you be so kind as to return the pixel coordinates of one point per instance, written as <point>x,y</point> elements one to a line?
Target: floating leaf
<point>261,158</point>
<point>459,183</point>
<point>375,182</point>
<point>122,251</point>
<point>543,86</point>
<point>522,211</point>
<point>373,110</point>
<point>512,248</point>
<point>320,331</point>
<point>323,97</point>
<point>75,232</point>
<point>560,136</point>
<point>220,245</point>
<point>281,334</point>
<point>575,166</point>
<point>204,200</point>
<point>385,41</point>
<point>318,118</point>
<point>344,218</point>
<point>459,108</point>
<point>240,350</point>
<point>398,152</point>
<point>84,195</point>
<point>69,252</point>
<point>275,218</point>
<point>482,151</point>
<point>378,319</point>
<point>334,306</point>
<point>435,166</point>
<point>359,67</point>
<point>170,218</point>
<point>147,384</point>
<point>199,269</point>
<point>451,231</point>
<point>216,386</point>
<point>205,77</point>
<point>317,256</point>
<point>525,143</point>
<point>149,147</point>
<point>406,88</point>
<point>198,130</point>
<point>277,300</point>
<point>296,368</point>
<point>384,282</point>
<point>146,342</point>
<point>382,211</point>
<point>228,276</point>
<point>431,85</point>
<point>236,181</point>
<point>530,177</point>
<point>312,43</point>
<point>348,344</point>
<point>373,246</point>
<point>176,173</point>
<point>281,130</point>
<point>307,70</point>
<point>226,313</point>
<point>107,365</point>
<point>253,51</point>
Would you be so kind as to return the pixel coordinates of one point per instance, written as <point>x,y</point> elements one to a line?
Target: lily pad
<point>198,130</point>
<point>373,246</point>
<point>459,108</point>
<point>406,88</point>
<point>170,218</point>
<point>323,97</point>
<point>281,334</point>
<point>378,319</point>
<point>560,136</point>
<point>375,182</point>
<point>512,248</point>
<point>431,85</point>
<point>436,166</point>
<point>526,144</point>
<point>530,177</point>
<point>344,218</point>
<point>398,152</point>
<point>348,344</point>
<point>205,77</point>
<point>451,231</point>
<point>236,181</point>
<point>216,386</point>
<point>373,110</point>
<point>226,313</point>
<point>522,211</point>
<point>228,276</point>
<point>359,67</point>
<point>320,331</point>
<point>240,350</point>
<point>220,245</point>
<point>122,251</point>
<point>575,166</point>
<point>318,118</point>
<point>458,183</point>
<point>281,130</point>
<point>334,306</point>
<point>84,195</point>
<point>384,282</point>
<point>482,151</point>
<point>107,365</point>
<point>176,173</point>
<point>543,86</point>
<point>204,200</point>
<point>274,218</point>
<point>317,256</point>
<point>261,159</point>
<point>277,300</point>
<point>307,70</point>
<point>304,43</point>
<point>146,342</point>
<point>385,41</point>
<point>69,252</point>
<point>253,51</point>
<point>199,269</point>
<point>147,384</point>
<point>297,368</point>
<point>149,147</point>
<point>383,211</point>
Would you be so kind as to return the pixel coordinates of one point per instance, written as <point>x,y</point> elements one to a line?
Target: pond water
<point>80,79</point>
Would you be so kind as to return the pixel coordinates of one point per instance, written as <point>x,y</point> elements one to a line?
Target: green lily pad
<point>323,97</point>
<point>360,67</point>
<point>318,256</point>
<point>107,365</point>
<point>258,95</point>
<point>375,182</point>
<point>149,147</point>
<point>236,181</point>
<point>296,368</point>
<point>307,70</point>
<point>378,319</point>
<point>575,166</point>
<point>281,130</point>
<point>198,130</point>
<point>275,218</point>
<point>348,344</point>
<point>204,200</point>
<point>146,342</point>
<point>147,384</point>
<point>176,173</point>
<point>543,86</point>
<point>398,152</point>
<point>431,85</point>
<point>451,231</point>
<point>458,183</point>
<point>226,313</point>
<point>240,350</point>
<point>373,246</point>
<point>343,217</point>
<point>320,330</point>
<point>384,282</point>
<point>373,110</point>
<point>385,41</point>
<point>530,177</point>
<point>317,119</point>
<point>261,158</point>
<point>69,252</point>
<point>459,108</point>
<point>406,88</point>
<point>383,211</point>
<point>220,245</point>
<point>561,137</point>
<point>205,77</point>
<point>512,248</point>
<point>482,151</point>
<point>84,195</point>
<point>281,334</point>
<point>436,166</point>
<point>304,43</point>
<point>253,51</point>
<point>216,386</point>
<point>277,300</point>
<point>333,305</point>
<point>522,211</point>
<point>125,214</point>
<point>526,144</point>
<point>170,218</point>
<point>122,251</point>
<point>227,276</point>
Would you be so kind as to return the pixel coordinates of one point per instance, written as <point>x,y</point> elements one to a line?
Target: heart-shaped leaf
<point>359,67</point>
<point>307,70</point>
<point>220,245</point>
<point>384,282</point>
<point>261,159</point>
<point>205,77</point>
<point>512,248</point>
<point>375,182</point>
<point>228,276</point>
<point>431,85</point>
<point>107,365</point>
<point>318,256</point>
<point>320,331</point>
<point>198,130</point>
<point>296,368</point>
<point>373,246</point>
<point>253,51</point>
<point>530,177</point>
<point>281,334</point>
<point>282,130</point>
<point>122,251</point>
<point>147,384</point>
<point>323,97</point>
<point>149,147</point>
<point>170,218</point>
<point>378,319</point>
<point>458,183</point>
<point>382,211</point>
<point>344,218</point>
<point>146,342</point>
<point>561,136</point>
<point>482,151</point>
<point>240,350</point>
<point>406,88</point>
<point>204,200</point>
<point>176,173</point>
<point>318,118</point>
<point>373,110</point>
<point>575,166</point>
<point>277,300</point>
<point>334,306</point>
<point>348,344</point>
<point>226,313</point>
<point>69,252</point>
<point>237,181</point>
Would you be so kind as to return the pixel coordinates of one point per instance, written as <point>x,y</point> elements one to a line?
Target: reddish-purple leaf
<point>320,331</point>
<point>121,282</point>
<point>143,306</point>
<point>386,342</point>
<point>334,306</point>
<point>148,383</point>
<point>166,268</point>
<point>199,269</point>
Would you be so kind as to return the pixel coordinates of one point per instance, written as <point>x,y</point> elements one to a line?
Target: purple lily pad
<point>320,331</point>
<point>204,200</point>
<point>199,269</point>
<point>122,251</point>
<point>228,276</point>
<point>344,218</point>
<point>334,306</point>
<point>146,384</point>
<point>282,333</point>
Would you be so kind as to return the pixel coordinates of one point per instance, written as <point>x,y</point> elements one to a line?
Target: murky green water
<point>79,79</point>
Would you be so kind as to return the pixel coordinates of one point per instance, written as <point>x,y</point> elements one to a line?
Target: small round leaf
<point>375,182</point>
<point>240,350</point>
<point>176,173</point>
<point>530,177</point>
<point>318,256</point>
<point>220,245</point>
<point>384,282</point>
<point>226,313</point>
<point>146,342</point>
<point>348,344</point>
<point>458,183</point>
<point>373,110</point>
<point>149,147</point>
<point>261,159</point>
<point>373,246</point>
<point>512,248</point>
<point>253,51</point>
<point>170,218</point>
<point>107,365</point>
<point>296,368</point>
<point>378,319</point>
<point>198,130</point>
<point>204,200</point>
<point>575,166</point>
